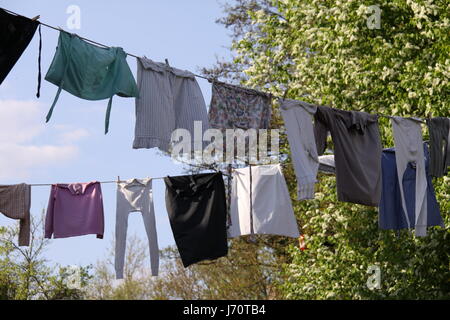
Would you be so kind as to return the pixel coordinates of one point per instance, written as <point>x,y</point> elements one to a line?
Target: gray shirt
<point>357,151</point>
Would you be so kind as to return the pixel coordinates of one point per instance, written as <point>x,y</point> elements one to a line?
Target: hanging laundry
<point>75,209</point>
<point>236,107</point>
<point>391,214</point>
<point>439,143</point>
<point>260,203</point>
<point>170,99</point>
<point>16,33</point>
<point>408,148</point>
<point>357,153</point>
<point>15,202</point>
<point>197,212</point>
<point>135,195</point>
<point>326,164</point>
<point>90,72</point>
<point>297,116</point>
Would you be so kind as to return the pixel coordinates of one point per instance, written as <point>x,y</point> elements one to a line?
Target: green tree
<point>26,275</point>
<point>134,286</point>
<point>249,271</point>
<point>325,52</point>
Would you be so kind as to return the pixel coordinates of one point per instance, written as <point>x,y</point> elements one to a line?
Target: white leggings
<point>409,148</point>
<point>135,195</point>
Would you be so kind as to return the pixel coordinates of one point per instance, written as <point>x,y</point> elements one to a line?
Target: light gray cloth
<point>297,116</point>
<point>409,148</point>
<point>260,203</point>
<point>169,99</point>
<point>326,164</point>
<point>135,195</point>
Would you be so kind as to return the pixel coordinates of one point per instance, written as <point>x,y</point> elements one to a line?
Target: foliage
<point>136,282</point>
<point>247,272</point>
<point>26,275</point>
<point>324,52</point>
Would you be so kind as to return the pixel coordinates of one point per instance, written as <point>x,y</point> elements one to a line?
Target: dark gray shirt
<point>439,135</point>
<point>357,152</point>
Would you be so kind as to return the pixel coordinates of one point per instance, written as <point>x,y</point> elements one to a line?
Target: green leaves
<point>26,275</point>
<point>325,53</point>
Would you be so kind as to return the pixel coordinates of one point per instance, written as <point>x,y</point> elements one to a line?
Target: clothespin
<point>283,98</point>
<point>301,243</point>
<point>229,169</point>
<point>36,18</point>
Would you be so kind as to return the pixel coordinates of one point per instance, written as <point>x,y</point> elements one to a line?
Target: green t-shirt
<point>90,72</point>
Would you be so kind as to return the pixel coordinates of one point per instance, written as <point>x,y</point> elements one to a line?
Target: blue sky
<point>72,146</point>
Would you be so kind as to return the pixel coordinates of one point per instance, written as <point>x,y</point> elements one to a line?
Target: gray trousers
<point>298,120</point>
<point>409,148</point>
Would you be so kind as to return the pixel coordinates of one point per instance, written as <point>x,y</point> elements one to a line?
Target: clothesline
<point>120,180</point>
<point>111,181</point>
<point>50,184</point>
<point>86,39</point>
<point>136,56</point>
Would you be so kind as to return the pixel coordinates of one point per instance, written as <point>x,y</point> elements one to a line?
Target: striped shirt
<point>168,99</point>
<point>15,204</point>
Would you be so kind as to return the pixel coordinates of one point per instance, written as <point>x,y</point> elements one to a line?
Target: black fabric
<point>16,33</point>
<point>357,152</point>
<point>38,93</point>
<point>439,133</point>
<point>197,212</point>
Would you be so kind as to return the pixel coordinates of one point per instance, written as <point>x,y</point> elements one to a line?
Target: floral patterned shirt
<point>236,107</point>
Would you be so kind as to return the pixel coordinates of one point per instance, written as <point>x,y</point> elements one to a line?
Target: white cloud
<point>21,123</point>
<point>17,161</point>
<point>74,135</point>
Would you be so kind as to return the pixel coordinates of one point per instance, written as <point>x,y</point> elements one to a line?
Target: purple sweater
<point>74,210</point>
